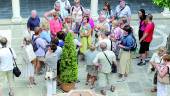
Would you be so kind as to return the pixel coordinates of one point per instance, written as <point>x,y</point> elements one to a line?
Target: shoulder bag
<point>113,66</point>
<point>16,70</point>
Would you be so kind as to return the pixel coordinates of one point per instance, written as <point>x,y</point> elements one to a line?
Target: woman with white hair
<point>29,59</point>
<point>6,64</point>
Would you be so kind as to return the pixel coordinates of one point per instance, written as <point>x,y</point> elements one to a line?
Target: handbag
<point>49,75</point>
<point>16,70</point>
<point>113,66</point>
<point>165,79</point>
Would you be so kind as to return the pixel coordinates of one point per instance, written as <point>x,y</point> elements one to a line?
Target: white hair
<point>33,11</point>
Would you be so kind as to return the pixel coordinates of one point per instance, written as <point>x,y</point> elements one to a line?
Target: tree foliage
<point>68,65</point>
<point>162,3</point>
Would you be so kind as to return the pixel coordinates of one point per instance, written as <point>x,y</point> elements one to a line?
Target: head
<point>45,25</point>
<point>92,47</point>
<point>61,35</point>
<point>57,6</point>
<point>27,40</point>
<point>3,41</point>
<point>149,17</point>
<point>102,17</point>
<point>85,19</point>
<point>55,15</point>
<point>77,3</point>
<point>103,46</point>
<point>68,19</point>
<point>112,37</point>
<point>37,30</point>
<point>166,59</point>
<point>53,48</point>
<point>87,12</point>
<point>104,35</point>
<point>106,6</point>
<point>127,30</point>
<point>141,14</point>
<point>33,13</point>
<point>162,51</point>
<point>122,3</point>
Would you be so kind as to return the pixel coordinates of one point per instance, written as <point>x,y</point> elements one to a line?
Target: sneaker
<point>139,63</point>
<point>144,63</point>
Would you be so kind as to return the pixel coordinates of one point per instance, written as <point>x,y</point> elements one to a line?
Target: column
<point>94,9</point>
<point>16,18</point>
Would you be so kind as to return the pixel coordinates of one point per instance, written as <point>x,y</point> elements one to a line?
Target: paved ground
<point>43,5</point>
<point>138,83</point>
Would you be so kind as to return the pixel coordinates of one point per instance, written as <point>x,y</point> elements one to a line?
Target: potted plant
<point>164,4</point>
<point>68,65</point>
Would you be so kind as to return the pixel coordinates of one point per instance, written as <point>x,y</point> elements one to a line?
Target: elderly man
<point>122,10</point>
<point>56,10</point>
<point>64,7</point>
<point>6,64</point>
<point>103,60</point>
<point>33,21</point>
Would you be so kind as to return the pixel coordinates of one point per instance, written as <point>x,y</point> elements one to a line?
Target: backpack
<point>134,47</point>
<point>81,8</point>
<point>35,47</point>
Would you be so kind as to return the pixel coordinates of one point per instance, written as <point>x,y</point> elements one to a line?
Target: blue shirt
<point>46,36</point>
<point>128,42</point>
<point>33,22</point>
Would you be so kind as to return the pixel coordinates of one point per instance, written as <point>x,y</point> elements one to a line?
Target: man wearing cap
<point>6,64</point>
<point>122,10</point>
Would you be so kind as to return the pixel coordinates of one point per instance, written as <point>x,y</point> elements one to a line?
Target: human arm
<point>46,14</point>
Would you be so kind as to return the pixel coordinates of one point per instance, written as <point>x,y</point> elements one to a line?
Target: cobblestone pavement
<point>138,83</point>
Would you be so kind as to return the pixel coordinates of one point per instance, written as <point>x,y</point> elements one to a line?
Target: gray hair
<point>3,41</point>
<point>103,46</point>
<point>57,2</point>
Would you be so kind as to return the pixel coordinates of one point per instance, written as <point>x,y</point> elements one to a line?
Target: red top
<point>149,29</point>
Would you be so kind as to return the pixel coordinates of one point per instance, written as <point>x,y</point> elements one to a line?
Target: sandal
<point>112,89</point>
<point>103,92</point>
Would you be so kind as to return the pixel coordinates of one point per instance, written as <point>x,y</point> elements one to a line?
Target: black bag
<point>16,70</point>
<point>113,66</point>
<point>134,47</point>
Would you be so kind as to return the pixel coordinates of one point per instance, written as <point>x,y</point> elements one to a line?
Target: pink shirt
<point>118,33</point>
<point>55,26</point>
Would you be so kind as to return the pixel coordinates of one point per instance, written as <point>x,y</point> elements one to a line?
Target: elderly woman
<point>126,44</point>
<point>55,24</point>
<point>163,71</point>
<point>156,58</point>
<point>85,33</point>
<point>29,60</point>
<point>68,24</point>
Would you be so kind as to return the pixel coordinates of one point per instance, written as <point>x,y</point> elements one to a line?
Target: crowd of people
<point>106,45</point>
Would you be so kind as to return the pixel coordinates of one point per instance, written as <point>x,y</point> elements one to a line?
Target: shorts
<point>41,58</point>
<point>144,46</point>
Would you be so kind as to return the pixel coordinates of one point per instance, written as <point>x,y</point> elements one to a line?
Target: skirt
<point>125,62</point>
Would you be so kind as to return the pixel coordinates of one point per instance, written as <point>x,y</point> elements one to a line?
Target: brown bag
<point>165,79</point>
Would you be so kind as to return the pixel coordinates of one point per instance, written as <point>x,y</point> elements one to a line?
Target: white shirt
<point>58,52</point>
<point>6,59</point>
<point>126,12</point>
<point>63,6</point>
<point>104,64</point>
<point>156,58</point>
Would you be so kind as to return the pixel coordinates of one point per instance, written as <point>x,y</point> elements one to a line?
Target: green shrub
<point>162,3</point>
<point>68,65</point>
